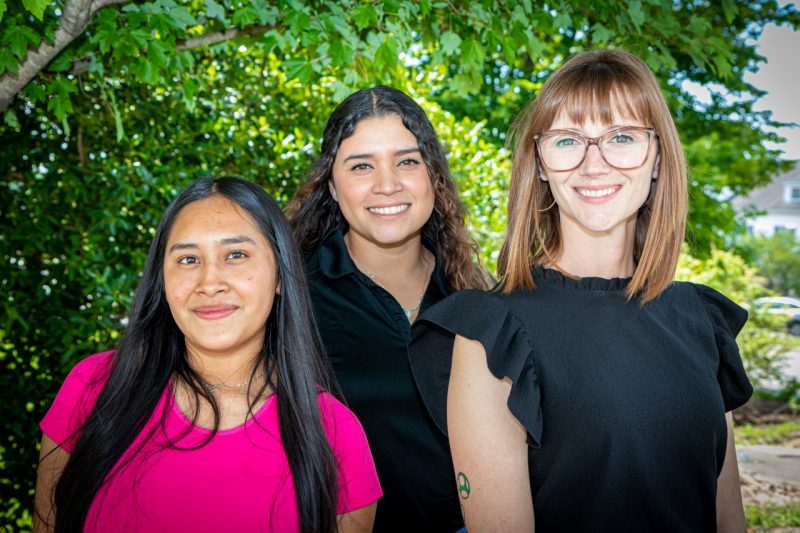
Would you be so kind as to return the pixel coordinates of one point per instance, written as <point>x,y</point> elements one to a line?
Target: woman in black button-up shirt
<point>383,233</point>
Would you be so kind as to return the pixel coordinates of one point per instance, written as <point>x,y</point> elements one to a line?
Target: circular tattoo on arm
<point>463,485</point>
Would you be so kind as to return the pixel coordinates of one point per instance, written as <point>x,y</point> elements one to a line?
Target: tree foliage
<point>777,258</point>
<point>112,106</point>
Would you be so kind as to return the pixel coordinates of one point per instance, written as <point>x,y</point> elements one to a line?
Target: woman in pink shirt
<point>213,414</point>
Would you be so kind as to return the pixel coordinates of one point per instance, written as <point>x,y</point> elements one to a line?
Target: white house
<point>780,203</point>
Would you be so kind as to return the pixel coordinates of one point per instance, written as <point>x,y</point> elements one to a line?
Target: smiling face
<point>381,182</point>
<point>220,278</point>
<point>595,198</point>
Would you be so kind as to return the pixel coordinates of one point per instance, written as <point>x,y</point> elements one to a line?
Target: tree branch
<point>220,36</point>
<point>81,65</point>
<point>76,16</point>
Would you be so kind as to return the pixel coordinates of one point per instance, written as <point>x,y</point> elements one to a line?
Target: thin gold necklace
<point>408,311</point>
<point>232,386</point>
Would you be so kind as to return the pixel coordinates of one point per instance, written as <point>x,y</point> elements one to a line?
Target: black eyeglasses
<point>622,148</point>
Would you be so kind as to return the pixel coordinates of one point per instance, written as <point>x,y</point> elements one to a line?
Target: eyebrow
<point>611,128</point>
<point>239,239</point>
<point>368,156</point>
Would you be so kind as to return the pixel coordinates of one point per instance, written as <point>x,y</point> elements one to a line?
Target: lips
<point>214,312</point>
<point>389,210</point>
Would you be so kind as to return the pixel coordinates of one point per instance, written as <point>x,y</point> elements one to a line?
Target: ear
<point>541,174</point>
<point>655,166</point>
<point>332,189</point>
<point>278,288</point>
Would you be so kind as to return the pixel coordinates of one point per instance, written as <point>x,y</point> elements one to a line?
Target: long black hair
<point>315,215</point>
<point>153,350</point>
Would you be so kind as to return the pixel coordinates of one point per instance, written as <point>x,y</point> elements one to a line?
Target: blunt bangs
<point>594,93</point>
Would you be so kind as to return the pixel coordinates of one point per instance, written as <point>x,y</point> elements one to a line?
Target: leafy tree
<point>776,257</point>
<point>111,106</point>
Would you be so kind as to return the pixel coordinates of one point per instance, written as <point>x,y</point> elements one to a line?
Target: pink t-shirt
<point>239,481</point>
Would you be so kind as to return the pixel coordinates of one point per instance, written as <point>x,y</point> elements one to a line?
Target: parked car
<point>783,305</point>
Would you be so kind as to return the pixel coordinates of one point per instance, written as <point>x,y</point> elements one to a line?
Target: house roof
<point>771,196</point>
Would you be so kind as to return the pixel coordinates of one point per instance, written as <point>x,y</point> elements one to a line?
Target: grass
<point>772,434</point>
<point>771,516</point>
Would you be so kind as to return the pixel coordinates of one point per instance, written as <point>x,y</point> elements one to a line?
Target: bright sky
<point>780,76</point>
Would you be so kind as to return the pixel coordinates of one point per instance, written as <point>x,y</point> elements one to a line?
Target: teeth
<point>392,210</point>
<point>596,193</point>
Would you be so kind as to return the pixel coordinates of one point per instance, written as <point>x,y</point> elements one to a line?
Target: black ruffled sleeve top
<point>624,404</point>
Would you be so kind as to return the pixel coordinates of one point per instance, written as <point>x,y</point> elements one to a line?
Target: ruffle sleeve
<point>728,319</point>
<point>484,317</point>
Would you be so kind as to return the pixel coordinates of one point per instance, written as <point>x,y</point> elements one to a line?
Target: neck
<point>597,254</point>
<point>228,368</point>
<point>395,260</point>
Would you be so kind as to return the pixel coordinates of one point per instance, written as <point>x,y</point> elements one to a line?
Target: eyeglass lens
<point>623,148</point>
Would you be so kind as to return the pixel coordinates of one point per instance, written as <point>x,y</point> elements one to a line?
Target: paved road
<point>771,463</point>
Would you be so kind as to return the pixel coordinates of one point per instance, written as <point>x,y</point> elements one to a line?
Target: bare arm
<point>490,451</point>
<point>52,460</point>
<point>730,512</point>
<point>358,521</point>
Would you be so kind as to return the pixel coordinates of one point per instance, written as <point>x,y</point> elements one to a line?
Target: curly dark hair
<point>314,214</point>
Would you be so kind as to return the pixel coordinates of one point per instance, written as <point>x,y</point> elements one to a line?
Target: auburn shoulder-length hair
<point>315,215</point>
<point>592,85</point>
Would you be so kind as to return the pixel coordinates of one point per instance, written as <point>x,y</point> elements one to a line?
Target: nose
<point>387,180</point>
<point>593,163</point>
<point>212,280</point>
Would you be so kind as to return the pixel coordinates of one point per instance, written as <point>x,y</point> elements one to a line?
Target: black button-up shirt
<point>366,335</point>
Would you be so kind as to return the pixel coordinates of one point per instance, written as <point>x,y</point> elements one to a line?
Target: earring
<point>549,207</point>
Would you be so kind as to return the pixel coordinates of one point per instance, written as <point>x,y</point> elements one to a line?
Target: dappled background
<point>110,107</point>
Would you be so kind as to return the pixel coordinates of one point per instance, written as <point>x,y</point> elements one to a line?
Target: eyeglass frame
<point>651,134</point>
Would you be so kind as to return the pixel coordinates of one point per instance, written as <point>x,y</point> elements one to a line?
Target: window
<point>791,193</point>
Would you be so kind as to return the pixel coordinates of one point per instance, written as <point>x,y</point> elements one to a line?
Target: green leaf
<point>386,55</point>
<point>190,88</point>
<point>60,103</point>
<point>299,69</point>
<point>156,53</point>
<point>182,17</point>
<point>10,118</point>
<point>364,16</point>
<point>62,63</point>
<point>266,14</point>
<point>7,61</point>
<point>36,7</point>
<point>3,9</point>
<point>636,13</point>
<point>298,21</point>
<point>35,91</point>
<point>117,117</point>
<point>535,46</point>
<point>104,38</point>
<point>563,21</point>
<point>450,42</point>
<point>245,16</point>
<point>341,53</point>
<point>18,45</point>
<point>601,34</point>
<point>730,9</point>
<point>472,52</point>
<point>214,10</point>
<point>509,50</point>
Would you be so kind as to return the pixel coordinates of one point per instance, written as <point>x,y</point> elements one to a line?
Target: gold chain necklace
<point>232,386</point>
<point>408,311</point>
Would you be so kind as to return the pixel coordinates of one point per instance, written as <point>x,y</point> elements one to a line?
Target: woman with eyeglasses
<point>590,392</point>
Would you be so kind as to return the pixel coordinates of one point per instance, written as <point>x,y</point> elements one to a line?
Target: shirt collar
<point>335,261</point>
